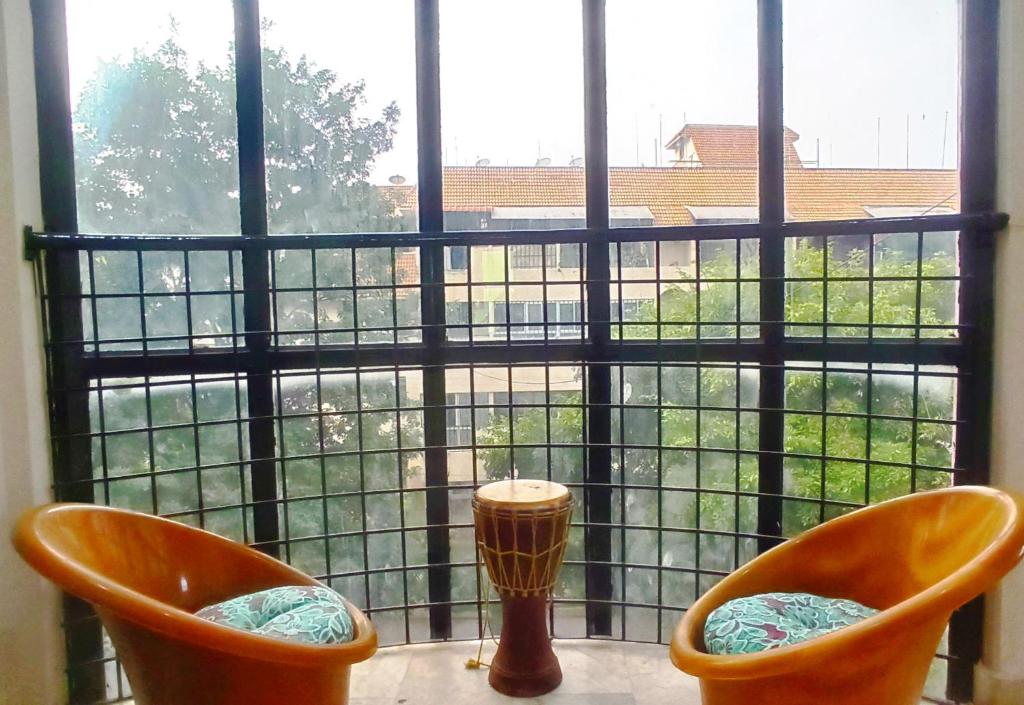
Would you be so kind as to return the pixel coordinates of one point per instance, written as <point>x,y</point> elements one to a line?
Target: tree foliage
<point>723,433</point>
<point>156,152</point>
<point>156,147</point>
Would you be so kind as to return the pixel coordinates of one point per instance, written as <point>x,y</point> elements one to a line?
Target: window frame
<point>70,366</point>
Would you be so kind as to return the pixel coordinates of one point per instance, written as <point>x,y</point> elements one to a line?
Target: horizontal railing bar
<point>550,284</point>
<point>862,350</point>
<point>517,336</point>
<point>969,223</point>
<point>494,407</point>
<point>693,448</point>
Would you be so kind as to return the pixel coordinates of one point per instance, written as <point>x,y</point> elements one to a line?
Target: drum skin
<point>522,529</point>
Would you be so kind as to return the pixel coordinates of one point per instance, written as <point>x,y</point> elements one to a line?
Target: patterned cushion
<point>304,613</point>
<point>760,622</point>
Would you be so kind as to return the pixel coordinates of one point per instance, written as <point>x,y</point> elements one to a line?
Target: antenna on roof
<point>576,161</point>
<point>544,161</point>
<point>483,162</point>
<point>945,128</point>
<point>878,143</point>
<point>661,142</point>
<point>397,179</point>
<point>908,140</point>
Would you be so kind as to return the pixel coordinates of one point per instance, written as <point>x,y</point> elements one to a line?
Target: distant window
<point>569,255</point>
<point>531,257</point>
<point>460,419</point>
<point>456,258</point>
<point>568,317</point>
<point>457,313</point>
<point>636,254</point>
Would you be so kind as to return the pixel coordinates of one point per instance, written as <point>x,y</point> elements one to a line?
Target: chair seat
<point>304,613</point>
<point>756,623</point>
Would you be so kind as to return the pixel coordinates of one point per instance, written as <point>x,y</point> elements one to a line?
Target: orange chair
<point>917,558</point>
<point>146,576</point>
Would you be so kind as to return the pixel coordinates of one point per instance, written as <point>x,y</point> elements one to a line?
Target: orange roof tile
<point>730,145</point>
<point>812,194</point>
<point>830,194</point>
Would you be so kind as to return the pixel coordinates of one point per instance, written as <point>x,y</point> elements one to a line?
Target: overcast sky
<point>512,72</point>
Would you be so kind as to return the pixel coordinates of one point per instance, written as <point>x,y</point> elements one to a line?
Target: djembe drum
<point>522,528</point>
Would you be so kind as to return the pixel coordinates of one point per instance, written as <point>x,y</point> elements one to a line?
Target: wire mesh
<point>871,371</point>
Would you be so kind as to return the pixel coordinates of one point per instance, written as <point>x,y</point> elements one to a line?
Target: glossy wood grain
<point>916,558</point>
<point>146,576</point>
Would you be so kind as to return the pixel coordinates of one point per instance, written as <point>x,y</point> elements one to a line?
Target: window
<point>887,133</point>
<point>455,258</point>
<point>339,118</point>
<point>532,256</point>
<point>460,419</point>
<point>153,105</point>
<point>506,163</point>
<point>333,393</point>
<point>634,255</point>
<point>682,107</point>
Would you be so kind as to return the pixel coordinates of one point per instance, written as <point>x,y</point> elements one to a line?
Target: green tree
<point>156,147</point>
<point>156,152</point>
<point>719,432</point>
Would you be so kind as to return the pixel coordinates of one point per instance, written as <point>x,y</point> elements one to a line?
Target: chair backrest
<point>100,554</point>
<point>888,553</point>
<point>917,558</point>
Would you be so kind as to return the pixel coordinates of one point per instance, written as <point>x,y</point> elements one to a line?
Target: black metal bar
<point>772,199</point>
<point>933,351</point>
<point>69,412</point>
<point>66,239</point>
<point>598,507</point>
<point>431,219</point>
<point>263,360</point>
<point>255,276</point>
<point>978,153</point>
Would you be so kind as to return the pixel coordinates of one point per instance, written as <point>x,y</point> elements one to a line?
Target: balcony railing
<point>333,399</point>
<point>333,417</point>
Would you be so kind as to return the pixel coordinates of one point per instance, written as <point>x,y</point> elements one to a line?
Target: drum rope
<point>536,578</point>
<point>478,662</point>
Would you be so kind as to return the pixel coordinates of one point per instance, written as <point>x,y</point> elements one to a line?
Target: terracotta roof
<point>812,194</point>
<point>830,194</point>
<point>730,145</point>
<point>407,266</point>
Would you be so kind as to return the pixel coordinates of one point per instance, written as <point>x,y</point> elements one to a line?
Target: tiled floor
<point>594,673</point>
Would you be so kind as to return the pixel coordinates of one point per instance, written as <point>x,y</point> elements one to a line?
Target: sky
<point>860,75</point>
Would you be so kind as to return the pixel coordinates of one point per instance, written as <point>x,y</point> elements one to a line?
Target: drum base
<point>524,666</point>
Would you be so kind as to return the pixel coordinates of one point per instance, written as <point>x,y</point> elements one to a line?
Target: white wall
<point>31,667</point>
<point>1001,676</point>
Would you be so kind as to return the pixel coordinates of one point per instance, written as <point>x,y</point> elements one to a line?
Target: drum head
<point>523,494</point>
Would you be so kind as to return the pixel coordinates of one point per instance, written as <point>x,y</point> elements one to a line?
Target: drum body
<point>522,529</point>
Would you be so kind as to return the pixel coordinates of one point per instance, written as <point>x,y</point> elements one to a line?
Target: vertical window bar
<point>598,538</point>
<point>823,397</point>
<point>979,91</point>
<point>256,297</point>
<point>771,197</point>
<point>431,215</point>
<point>69,408</point>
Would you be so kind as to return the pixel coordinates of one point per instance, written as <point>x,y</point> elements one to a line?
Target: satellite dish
<point>397,179</point>
<point>576,161</point>
<point>483,162</point>
<point>544,161</point>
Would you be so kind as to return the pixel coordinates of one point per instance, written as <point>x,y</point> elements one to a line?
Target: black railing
<point>342,484</point>
<point>292,391</point>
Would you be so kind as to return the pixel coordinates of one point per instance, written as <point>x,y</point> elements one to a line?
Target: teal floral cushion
<point>305,613</point>
<point>747,625</point>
